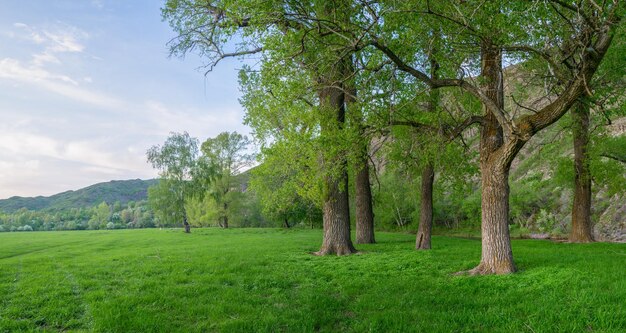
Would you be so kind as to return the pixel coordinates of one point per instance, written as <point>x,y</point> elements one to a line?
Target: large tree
<point>294,46</point>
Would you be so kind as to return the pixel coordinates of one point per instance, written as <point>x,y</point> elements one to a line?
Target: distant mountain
<point>110,192</point>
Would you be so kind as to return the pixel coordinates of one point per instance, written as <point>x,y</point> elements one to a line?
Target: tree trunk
<point>186,223</point>
<point>363,201</point>
<point>422,241</point>
<point>424,231</point>
<point>286,224</point>
<point>582,229</point>
<point>225,217</point>
<point>337,219</point>
<point>497,255</point>
<point>363,189</point>
<point>336,211</point>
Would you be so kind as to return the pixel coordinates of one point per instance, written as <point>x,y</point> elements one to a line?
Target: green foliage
<point>227,155</point>
<point>101,216</point>
<point>166,204</point>
<point>264,280</point>
<point>133,215</point>
<point>396,202</point>
<point>283,186</point>
<point>183,175</point>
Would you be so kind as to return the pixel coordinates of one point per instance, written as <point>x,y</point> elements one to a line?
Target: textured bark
<point>336,210</point>
<point>337,219</point>
<point>363,202</point>
<point>422,240</point>
<point>582,229</point>
<point>424,230</point>
<point>497,256</point>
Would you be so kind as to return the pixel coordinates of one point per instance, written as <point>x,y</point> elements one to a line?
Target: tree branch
<point>619,158</point>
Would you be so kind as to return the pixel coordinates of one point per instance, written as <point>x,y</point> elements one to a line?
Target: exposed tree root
<point>338,250</point>
<point>483,269</point>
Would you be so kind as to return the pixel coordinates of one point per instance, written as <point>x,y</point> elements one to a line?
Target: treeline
<point>103,216</point>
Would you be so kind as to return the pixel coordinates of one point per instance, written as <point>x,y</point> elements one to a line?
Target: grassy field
<point>245,280</point>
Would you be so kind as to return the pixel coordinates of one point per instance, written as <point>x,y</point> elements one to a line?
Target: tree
<point>582,33</point>
<point>283,191</point>
<point>228,155</point>
<point>100,216</point>
<point>295,48</point>
<point>177,161</point>
<point>608,83</point>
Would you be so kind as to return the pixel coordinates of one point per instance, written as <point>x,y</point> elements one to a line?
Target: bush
<point>110,225</point>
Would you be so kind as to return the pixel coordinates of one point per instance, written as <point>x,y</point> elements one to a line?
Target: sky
<point>87,86</point>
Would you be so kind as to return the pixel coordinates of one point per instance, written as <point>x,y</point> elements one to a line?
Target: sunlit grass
<point>265,280</point>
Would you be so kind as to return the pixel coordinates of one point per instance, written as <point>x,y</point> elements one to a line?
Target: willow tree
<point>227,154</point>
<point>177,161</point>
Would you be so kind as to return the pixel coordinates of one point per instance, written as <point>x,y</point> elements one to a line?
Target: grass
<point>245,280</point>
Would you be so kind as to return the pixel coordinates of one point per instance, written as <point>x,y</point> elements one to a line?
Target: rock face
<point>618,127</point>
<point>611,225</point>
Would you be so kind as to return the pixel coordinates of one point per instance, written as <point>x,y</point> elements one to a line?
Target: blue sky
<point>86,87</point>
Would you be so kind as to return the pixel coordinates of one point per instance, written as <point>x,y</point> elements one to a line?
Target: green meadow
<point>266,280</point>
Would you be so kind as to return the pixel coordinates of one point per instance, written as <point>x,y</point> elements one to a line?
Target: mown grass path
<point>247,280</point>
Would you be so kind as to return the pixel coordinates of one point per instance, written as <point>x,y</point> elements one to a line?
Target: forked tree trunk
<point>422,240</point>
<point>363,202</point>
<point>582,229</point>
<point>497,255</point>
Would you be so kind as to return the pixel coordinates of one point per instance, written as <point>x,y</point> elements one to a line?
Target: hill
<point>110,192</point>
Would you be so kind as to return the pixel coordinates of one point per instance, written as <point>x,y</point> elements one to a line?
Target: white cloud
<point>63,85</point>
<point>14,70</point>
<point>65,40</point>
<point>45,57</point>
<point>200,123</point>
<point>85,134</point>
<point>27,158</point>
